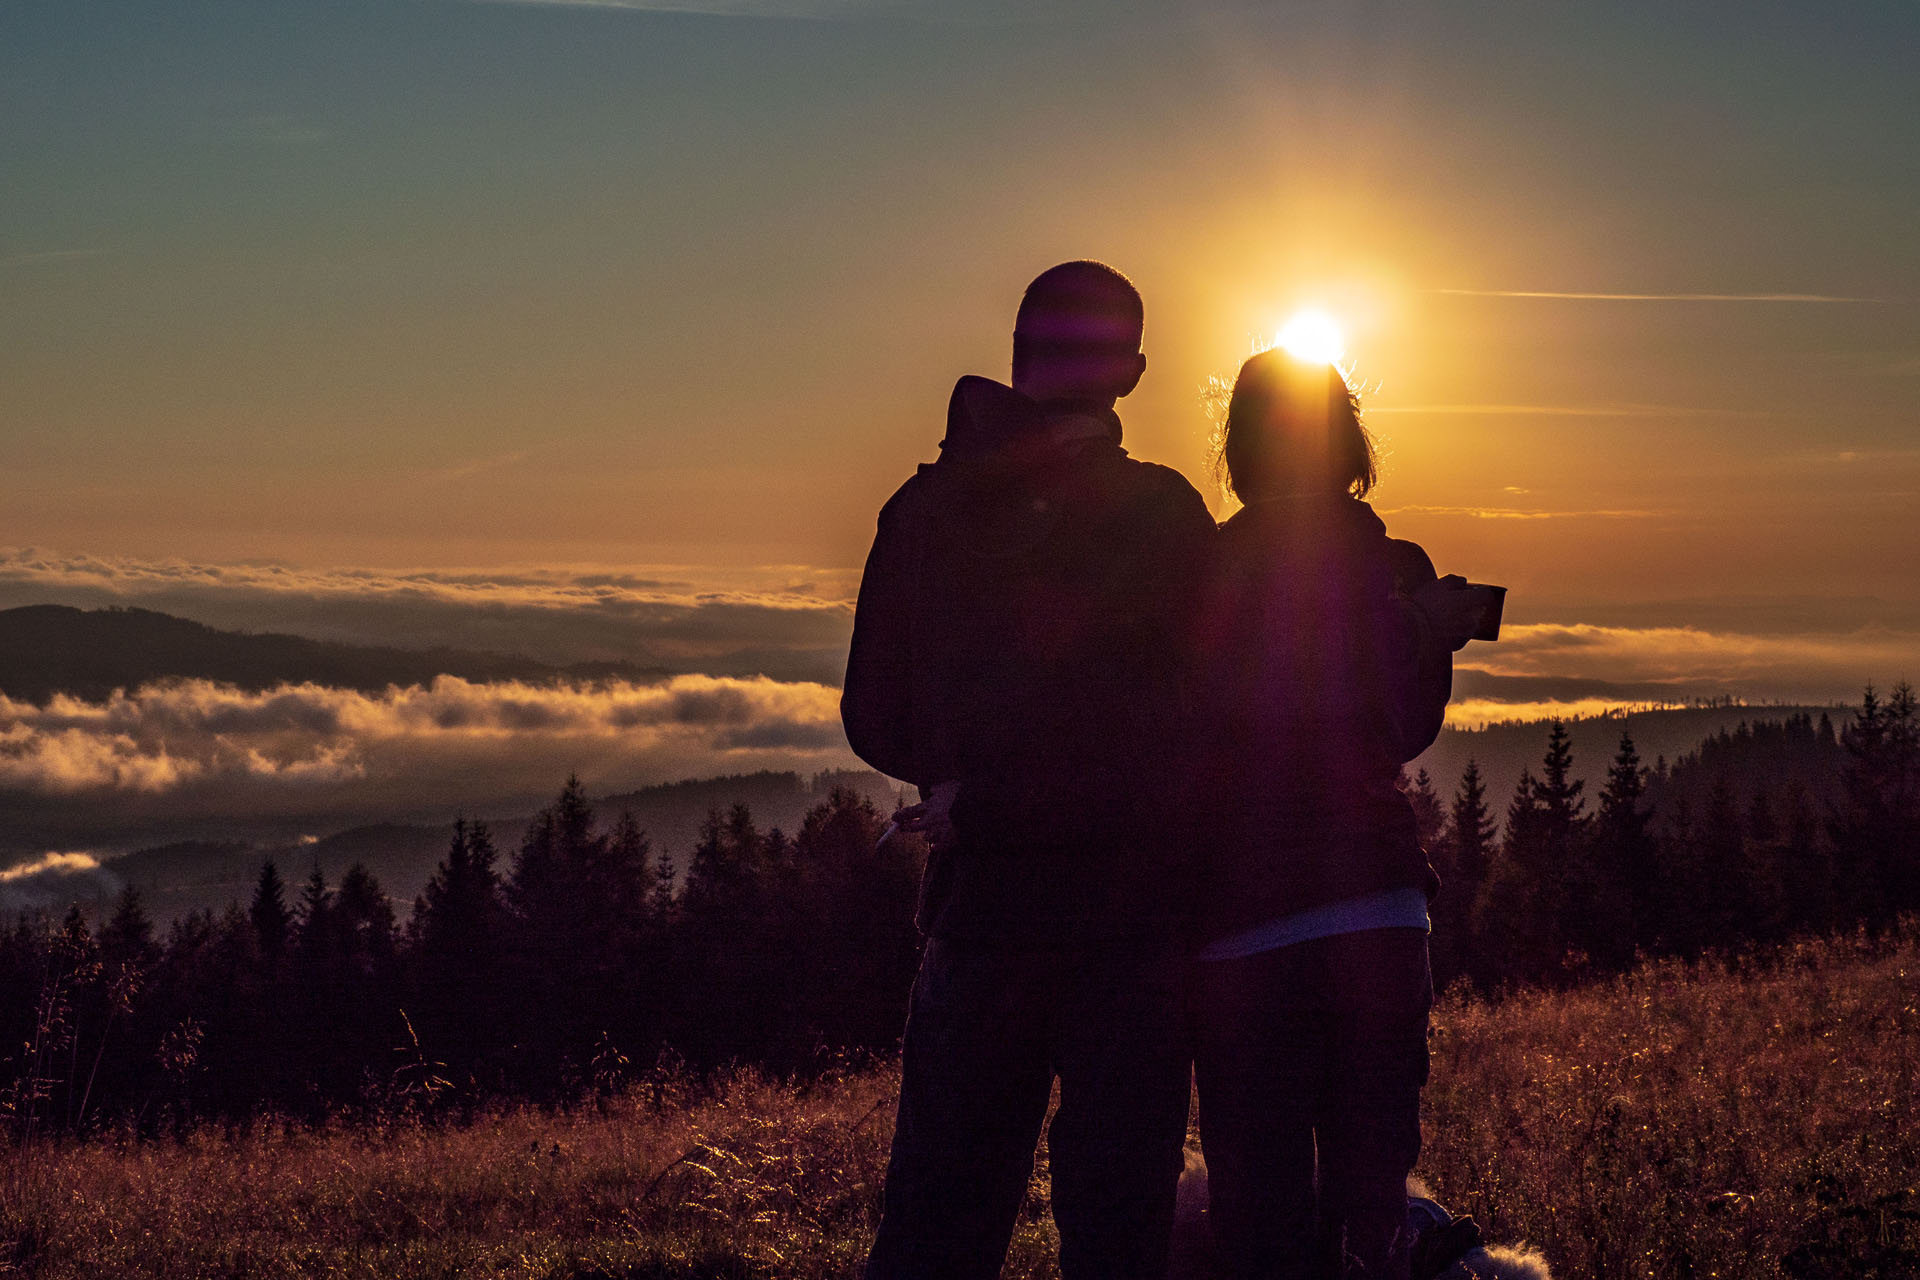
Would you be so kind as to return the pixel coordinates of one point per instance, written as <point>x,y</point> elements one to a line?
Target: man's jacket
<point>1019,632</point>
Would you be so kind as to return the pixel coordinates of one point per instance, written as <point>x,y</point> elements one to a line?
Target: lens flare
<point>1313,336</point>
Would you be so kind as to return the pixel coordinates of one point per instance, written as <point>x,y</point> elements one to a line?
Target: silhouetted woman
<point>1326,653</point>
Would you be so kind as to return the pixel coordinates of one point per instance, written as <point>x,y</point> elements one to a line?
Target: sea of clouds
<point>1541,670</point>
<point>312,754</point>
<point>756,655</point>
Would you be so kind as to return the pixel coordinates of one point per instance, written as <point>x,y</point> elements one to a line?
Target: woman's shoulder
<point>1410,563</point>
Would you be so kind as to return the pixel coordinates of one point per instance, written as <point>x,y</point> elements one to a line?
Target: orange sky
<point>477,286</point>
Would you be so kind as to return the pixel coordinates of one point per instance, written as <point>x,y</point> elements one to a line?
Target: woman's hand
<point>1452,610</point>
<point>932,817</point>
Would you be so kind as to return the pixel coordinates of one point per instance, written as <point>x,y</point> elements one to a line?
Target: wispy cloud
<point>999,13</point>
<point>476,466</point>
<point>52,880</point>
<point>58,862</point>
<point>1560,295</point>
<point>281,131</point>
<point>49,255</point>
<point>792,10</point>
<point>1515,513</point>
<point>1631,410</point>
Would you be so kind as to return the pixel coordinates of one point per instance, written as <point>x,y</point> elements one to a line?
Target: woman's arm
<point>1420,629</point>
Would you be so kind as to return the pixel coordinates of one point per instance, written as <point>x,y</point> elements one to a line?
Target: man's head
<point>1077,335</point>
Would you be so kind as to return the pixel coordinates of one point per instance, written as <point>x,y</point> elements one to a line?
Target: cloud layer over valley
<point>750,657</point>
<point>1566,669</point>
<point>180,751</point>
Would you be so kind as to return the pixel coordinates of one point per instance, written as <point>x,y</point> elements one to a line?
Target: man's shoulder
<point>906,500</point>
<point>1165,489</point>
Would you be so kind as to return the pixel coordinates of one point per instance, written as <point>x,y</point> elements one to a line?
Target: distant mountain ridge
<point>48,648</point>
<point>190,875</point>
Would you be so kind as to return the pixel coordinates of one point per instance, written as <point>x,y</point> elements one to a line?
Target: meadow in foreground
<point>1740,1120</point>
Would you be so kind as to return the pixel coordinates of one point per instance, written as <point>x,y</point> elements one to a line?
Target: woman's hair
<point>1293,425</point>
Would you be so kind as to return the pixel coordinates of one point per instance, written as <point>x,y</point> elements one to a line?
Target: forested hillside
<point>1503,750</point>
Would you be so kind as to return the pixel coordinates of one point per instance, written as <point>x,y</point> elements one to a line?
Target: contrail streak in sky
<point>1658,297</point>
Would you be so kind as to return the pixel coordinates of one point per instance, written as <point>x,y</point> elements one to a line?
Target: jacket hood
<point>985,417</point>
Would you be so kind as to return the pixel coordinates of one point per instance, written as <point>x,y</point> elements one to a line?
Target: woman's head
<point>1293,426</point>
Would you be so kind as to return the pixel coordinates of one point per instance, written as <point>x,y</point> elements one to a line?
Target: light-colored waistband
<point>1388,909</point>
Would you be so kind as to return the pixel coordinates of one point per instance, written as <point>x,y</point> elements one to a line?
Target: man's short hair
<point>1080,308</point>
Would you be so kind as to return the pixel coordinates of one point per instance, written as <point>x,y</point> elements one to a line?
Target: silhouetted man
<point>1015,655</point>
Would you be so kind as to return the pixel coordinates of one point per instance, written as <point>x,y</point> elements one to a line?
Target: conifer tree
<point>1557,794</point>
<point>127,937</point>
<point>1723,897</point>
<point>313,918</point>
<point>568,921</point>
<point>1625,854</point>
<point>272,921</point>
<point>459,928</point>
<point>856,978</point>
<point>1806,864</point>
<point>660,902</point>
<point>1428,813</point>
<point>623,876</point>
<point>1860,828</point>
<point>1470,827</point>
<point>1523,813</point>
<point>1468,842</point>
<point>1767,871</point>
<point>1877,832</point>
<point>724,938</point>
<point>1903,798</point>
<point>1761,827</point>
<point>1507,929</point>
<point>364,920</point>
<point>459,912</point>
<point>1526,917</point>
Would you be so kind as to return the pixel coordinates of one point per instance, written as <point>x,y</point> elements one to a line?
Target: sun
<point>1314,336</point>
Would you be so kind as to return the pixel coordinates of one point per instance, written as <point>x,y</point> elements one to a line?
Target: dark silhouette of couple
<point>1157,763</point>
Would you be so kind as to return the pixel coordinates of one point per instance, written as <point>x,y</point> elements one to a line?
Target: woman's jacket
<point>1318,679</point>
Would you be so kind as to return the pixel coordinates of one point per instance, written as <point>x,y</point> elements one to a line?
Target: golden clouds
<point>175,734</point>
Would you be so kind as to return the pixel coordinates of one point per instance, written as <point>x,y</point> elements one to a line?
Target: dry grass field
<point>1750,1120</point>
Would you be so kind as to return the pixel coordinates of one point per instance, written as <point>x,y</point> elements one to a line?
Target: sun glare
<point>1314,336</point>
